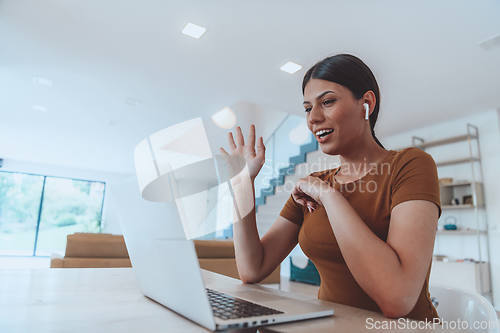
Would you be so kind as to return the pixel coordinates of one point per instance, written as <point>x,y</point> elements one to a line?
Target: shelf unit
<point>460,232</point>
<point>472,187</point>
<point>458,190</point>
<point>468,206</point>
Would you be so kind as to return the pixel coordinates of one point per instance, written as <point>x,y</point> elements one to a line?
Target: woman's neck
<point>355,163</point>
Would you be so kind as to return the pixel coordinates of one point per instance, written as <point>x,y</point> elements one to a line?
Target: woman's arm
<point>391,273</point>
<point>255,258</point>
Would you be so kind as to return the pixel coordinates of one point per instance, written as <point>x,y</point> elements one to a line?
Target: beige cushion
<point>214,248</point>
<point>89,250</point>
<point>88,245</point>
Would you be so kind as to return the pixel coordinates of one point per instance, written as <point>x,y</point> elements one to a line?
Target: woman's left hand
<point>308,191</point>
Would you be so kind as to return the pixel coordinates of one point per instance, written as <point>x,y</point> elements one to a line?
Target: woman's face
<point>332,107</point>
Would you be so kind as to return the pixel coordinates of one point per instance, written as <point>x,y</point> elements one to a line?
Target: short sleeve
<point>416,178</point>
<point>292,211</point>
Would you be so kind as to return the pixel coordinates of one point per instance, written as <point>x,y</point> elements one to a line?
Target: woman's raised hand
<point>254,158</point>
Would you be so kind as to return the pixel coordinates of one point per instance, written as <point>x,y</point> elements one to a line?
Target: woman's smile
<point>324,134</point>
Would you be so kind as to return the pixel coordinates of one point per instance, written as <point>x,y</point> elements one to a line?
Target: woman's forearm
<point>373,263</point>
<point>248,248</point>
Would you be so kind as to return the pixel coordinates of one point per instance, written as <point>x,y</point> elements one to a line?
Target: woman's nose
<point>316,115</point>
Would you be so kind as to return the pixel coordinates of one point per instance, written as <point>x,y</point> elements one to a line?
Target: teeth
<point>323,131</point>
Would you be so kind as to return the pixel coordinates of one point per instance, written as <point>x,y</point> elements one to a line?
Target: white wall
<point>110,222</point>
<point>489,133</point>
<point>265,119</point>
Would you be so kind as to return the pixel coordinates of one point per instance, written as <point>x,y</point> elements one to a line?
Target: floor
<point>7,262</point>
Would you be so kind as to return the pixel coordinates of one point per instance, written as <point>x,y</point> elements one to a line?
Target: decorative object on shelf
<point>467,199</point>
<point>452,225</point>
<point>441,257</point>
<point>445,181</point>
<point>469,194</point>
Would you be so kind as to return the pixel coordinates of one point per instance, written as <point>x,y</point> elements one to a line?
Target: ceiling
<point>121,69</point>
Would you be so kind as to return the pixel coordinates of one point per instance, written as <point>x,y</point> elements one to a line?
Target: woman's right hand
<point>254,159</point>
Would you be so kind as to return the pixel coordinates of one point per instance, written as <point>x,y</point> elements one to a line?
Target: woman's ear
<point>370,99</point>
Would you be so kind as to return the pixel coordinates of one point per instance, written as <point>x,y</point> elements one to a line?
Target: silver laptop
<point>167,269</point>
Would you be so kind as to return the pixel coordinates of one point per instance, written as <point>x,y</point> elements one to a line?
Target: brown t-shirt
<point>409,174</point>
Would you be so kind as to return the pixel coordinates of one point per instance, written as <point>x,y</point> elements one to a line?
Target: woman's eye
<point>328,101</point>
<point>307,109</point>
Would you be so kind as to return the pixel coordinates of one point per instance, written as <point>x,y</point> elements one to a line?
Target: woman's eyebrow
<point>320,95</point>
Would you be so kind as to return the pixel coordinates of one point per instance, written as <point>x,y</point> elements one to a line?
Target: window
<point>38,212</point>
<point>20,196</point>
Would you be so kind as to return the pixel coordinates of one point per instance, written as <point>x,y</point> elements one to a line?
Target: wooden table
<point>109,300</point>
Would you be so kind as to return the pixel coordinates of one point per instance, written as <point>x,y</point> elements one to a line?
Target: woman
<point>368,225</point>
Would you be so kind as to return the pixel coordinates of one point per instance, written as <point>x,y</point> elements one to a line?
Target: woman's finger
<point>296,193</point>
<point>304,201</point>
<point>299,195</point>
<point>223,151</point>
<point>301,202</point>
<point>239,137</point>
<point>251,137</point>
<point>261,149</point>
<point>312,204</point>
<point>298,188</point>
<point>232,145</point>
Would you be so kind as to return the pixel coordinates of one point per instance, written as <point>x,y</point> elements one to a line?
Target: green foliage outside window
<point>68,206</point>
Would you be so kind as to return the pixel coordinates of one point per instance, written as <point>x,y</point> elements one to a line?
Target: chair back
<point>455,305</point>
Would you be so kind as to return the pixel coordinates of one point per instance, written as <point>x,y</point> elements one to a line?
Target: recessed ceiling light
<point>42,81</point>
<point>224,118</point>
<point>290,67</point>
<point>193,30</point>
<point>133,101</point>
<point>39,108</point>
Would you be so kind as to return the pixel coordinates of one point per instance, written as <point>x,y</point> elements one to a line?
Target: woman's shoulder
<point>412,157</point>
<point>411,153</point>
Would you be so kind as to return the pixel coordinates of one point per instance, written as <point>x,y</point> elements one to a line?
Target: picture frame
<point>467,199</point>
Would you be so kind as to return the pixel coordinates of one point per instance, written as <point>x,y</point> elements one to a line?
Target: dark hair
<point>350,72</point>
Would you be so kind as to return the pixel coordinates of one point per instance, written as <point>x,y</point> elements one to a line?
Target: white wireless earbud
<point>367,110</point>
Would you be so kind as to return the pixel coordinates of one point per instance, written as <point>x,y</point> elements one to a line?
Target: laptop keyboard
<point>229,307</point>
